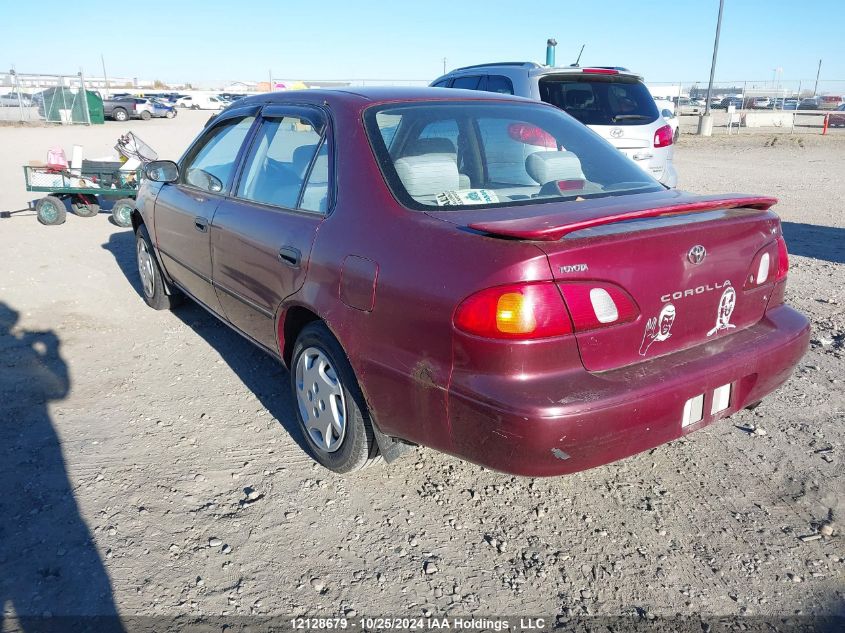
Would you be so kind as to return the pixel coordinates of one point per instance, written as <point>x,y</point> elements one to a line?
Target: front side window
<point>211,166</point>
<point>286,151</point>
<point>600,100</point>
<point>478,155</point>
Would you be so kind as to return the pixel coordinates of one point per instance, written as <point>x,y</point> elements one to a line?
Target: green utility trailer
<point>83,188</point>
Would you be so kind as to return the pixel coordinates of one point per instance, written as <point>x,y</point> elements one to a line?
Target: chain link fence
<point>800,106</point>
<point>48,98</point>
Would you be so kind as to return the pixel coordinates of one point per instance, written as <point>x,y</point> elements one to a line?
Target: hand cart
<point>94,180</point>
<point>84,188</point>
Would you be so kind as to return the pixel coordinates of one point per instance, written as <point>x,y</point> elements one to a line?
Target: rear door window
<point>600,100</point>
<point>467,83</point>
<point>280,160</point>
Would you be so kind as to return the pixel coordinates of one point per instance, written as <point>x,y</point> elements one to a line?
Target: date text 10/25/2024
<point>419,624</point>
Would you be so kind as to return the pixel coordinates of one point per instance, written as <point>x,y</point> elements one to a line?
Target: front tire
<point>119,114</point>
<point>331,410</point>
<point>153,287</point>
<point>146,116</point>
<point>121,212</point>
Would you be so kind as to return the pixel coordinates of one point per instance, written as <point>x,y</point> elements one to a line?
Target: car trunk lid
<point>684,260</point>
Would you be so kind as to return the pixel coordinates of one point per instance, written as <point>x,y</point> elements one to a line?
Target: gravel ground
<point>150,464</point>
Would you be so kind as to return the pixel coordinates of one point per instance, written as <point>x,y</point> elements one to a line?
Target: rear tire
<point>328,397</point>
<point>84,209</point>
<point>119,114</point>
<point>121,212</point>
<point>51,211</point>
<point>677,135</point>
<point>153,287</point>
<point>170,114</point>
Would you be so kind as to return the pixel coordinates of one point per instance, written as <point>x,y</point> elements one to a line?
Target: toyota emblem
<point>617,132</point>
<point>696,254</point>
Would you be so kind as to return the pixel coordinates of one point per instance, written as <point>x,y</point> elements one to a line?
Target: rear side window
<point>443,83</point>
<point>600,100</point>
<point>477,154</point>
<point>500,84</point>
<point>280,161</point>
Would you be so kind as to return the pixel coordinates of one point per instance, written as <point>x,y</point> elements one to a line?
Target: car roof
<point>379,94</point>
<point>534,69</point>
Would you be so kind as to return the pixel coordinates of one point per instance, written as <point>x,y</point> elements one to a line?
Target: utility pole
<point>705,123</point>
<point>105,76</point>
<point>444,65</point>
<point>818,72</point>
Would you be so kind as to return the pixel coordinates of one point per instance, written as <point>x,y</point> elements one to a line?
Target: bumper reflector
<point>721,399</point>
<point>693,410</point>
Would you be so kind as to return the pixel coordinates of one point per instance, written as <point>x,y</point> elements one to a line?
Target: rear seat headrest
<point>544,167</point>
<point>431,146</point>
<point>428,175</point>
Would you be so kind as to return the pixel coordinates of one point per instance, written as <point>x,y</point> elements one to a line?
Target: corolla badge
<point>617,132</point>
<point>726,309</point>
<point>658,328</point>
<point>697,254</point>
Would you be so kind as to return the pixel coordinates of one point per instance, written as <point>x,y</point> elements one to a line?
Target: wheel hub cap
<point>145,268</point>
<point>319,394</point>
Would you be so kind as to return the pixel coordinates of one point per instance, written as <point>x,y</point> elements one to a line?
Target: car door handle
<point>201,224</point>
<point>290,256</point>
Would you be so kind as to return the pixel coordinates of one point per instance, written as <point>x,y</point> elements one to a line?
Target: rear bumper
<point>566,422</point>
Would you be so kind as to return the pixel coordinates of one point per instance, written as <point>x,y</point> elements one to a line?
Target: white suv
<point>611,101</point>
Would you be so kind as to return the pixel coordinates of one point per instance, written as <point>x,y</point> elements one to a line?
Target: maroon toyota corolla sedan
<point>479,274</point>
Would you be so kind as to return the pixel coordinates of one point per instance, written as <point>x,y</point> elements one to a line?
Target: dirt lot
<point>150,464</point>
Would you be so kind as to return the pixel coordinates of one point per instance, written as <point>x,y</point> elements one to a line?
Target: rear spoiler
<point>551,228</point>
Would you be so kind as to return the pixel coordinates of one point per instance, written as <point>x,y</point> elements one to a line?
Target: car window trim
<point>281,110</point>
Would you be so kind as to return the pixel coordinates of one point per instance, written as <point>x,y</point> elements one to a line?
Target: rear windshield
<point>479,154</point>
<point>600,100</point>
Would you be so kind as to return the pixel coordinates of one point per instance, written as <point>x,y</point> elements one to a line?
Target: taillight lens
<point>594,305</point>
<point>663,136</point>
<point>763,267</point>
<point>531,135</point>
<point>783,259</point>
<point>517,311</point>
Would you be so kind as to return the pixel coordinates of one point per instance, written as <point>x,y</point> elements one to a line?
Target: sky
<point>194,40</point>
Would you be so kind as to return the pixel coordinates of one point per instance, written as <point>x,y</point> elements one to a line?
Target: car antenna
<point>575,65</point>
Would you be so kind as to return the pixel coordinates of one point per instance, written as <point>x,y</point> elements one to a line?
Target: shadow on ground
<point>49,564</point>
<point>813,240</point>
<point>263,375</point>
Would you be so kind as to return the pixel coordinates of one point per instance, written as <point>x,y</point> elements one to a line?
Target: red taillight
<point>763,267</point>
<point>594,304</point>
<point>783,259</point>
<point>663,136</point>
<point>531,135</point>
<point>517,311</point>
<point>601,71</point>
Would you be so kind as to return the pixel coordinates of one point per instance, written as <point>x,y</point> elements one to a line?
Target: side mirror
<point>162,171</point>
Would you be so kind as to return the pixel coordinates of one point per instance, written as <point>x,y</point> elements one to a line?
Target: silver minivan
<point>611,101</point>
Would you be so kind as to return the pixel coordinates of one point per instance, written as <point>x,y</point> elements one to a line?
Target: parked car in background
<point>688,106</point>
<point>121,109</point>
<point>15,99</point>
<point>162,109</point>
<point>200,102</point>
<point>810,103</point>
<point>729,101</point>
<point>612,101</point>
<point>590,312</point>
<point>837,119</point>
<point>760,103</point>
<point>790,104</point>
